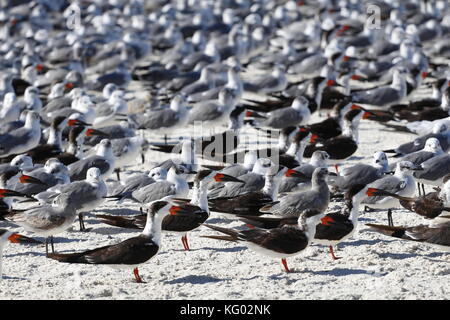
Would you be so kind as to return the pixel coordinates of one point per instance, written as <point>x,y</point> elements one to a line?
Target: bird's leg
<point>117,171</point>
<point>165,139</point>
<point>137,276</point>
<point>332,254</point>
<point>52,243</point>
<point>418,188</point>
<point>80,218</point>
<point>143,158</point>
<point>423,189</point>
<point>185,242</point>
<point>46,247</point>
<point>390,221</point>
<point>336,167</point>
<point>284,262</point>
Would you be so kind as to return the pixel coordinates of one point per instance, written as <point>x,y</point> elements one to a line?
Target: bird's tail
<point>77,257</point>
<point>119,221</point>
<point>397,232</point>
<point>231,234</point>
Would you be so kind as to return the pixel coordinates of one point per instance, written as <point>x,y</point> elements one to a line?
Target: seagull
<point>401,183</point>
<point>46,220</point>
<point>436,235</point>
<point>23,139</point>
<point>316,199</point>
<point>84,195</point>
<point>132,252</point>
<point>103,159</point>
<point>361,173</point>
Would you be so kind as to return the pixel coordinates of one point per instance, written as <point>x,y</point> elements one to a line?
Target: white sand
<point>372,266</point>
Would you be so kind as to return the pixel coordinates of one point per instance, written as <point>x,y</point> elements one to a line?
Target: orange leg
<point>284,262</point>
<point>332,254</point>
<point>185,242</point>
<point>137,276</point>
<point>336,167</point>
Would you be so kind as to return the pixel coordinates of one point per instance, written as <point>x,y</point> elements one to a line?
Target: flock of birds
<point>85,99</point>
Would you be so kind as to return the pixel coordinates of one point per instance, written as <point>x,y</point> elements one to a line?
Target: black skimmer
<point>253,181</point>
<point>286,240</point>
<point>250,203</point>
<point>343,146</point>
<point>337,227</point>
<point>132,252</point>
<point>428,206</point>
<point>332,126</point>
<point>5,236</point>
<point>437,235</point>
<point>401,183</point>
<point>198,207</point>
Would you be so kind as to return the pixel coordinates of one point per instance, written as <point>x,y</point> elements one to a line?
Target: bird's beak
<point>254,115</point>
<point>220,177</point>
<point>95,132</point>
<point>179,211</point>
<point>417,168</point>
<point>294,173</point>
<point>17,238</point>
<point>11,193</point>
<point>28,179</point>
<point>327,220</point>
<point>76,122</point>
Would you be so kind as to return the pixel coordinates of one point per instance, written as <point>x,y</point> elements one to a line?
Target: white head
<point>262,165</point>
<point>320,159</point>
<point>433,145</point>
<point>439,127</point>
<point>23,162</point>
<point>380,160</point>
<point>406,167</point>
<point>300,103</point>
<point>158,174</point>
<point>9,99</point>
<point>93,174</point>
<point>250,159</point>
<point>108,90</point>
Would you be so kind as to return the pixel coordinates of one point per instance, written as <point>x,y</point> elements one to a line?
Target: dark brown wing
<point>132,251</point>
<point>336,230</point>
<point>184,223</point>
<point>288,239</point>
<point>246,204</point>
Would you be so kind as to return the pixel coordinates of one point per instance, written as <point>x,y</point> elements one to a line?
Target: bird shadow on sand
<point>108,231</point>
<point>338,272</point>
<point>397,256</point>
<point>194,279</point>
<point>28,253</point>
<point>12,278</point>
<point>232,249</point>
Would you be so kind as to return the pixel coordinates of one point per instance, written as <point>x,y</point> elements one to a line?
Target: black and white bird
<point>131,253</point>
